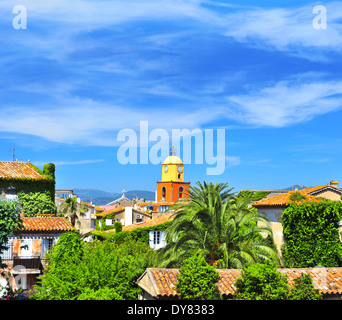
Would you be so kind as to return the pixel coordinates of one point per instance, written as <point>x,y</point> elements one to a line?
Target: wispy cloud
<point>233,161</point>
<point>103,88</point>
<point>287,102</point>
<point>89,122</point>
<point>288,30</point>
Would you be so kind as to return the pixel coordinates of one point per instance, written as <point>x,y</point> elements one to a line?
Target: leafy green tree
<point>303,289</point>
<point>10,222</point>
<point>261,281</point>
<point>90,271</point>
<point>197,280</point>
<point>221,226</point>
<point>311,235</point>
<point>265,282</point>
<point>34,203</point>
<point>70,207</point>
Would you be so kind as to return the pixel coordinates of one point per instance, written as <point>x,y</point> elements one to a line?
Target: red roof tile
<point>18,170</point>
<point>51,224</point>
<point>163,281</point>
<point>283,199</point>
<point>149,223</point>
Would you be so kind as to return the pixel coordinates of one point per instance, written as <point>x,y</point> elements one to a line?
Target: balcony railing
<point>28,262</point>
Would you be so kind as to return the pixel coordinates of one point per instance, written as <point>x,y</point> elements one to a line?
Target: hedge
<point>139,234</point>
<point>311,235</point>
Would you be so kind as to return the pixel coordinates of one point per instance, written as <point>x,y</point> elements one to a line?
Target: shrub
<point>265,282</point>
<point>297,196</point>
<point>303,289</point>
<point>10,222</point>
<point>261,282</point>
<point>197,280</point>
<point>93,271</point>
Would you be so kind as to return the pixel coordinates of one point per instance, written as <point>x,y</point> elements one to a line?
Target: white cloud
<point>286,102</point>
<point>91,123</point>
<point>233,161</point>
<point>288,29</point>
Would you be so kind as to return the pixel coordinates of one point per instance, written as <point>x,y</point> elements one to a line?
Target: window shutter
<point>151,239</point>
<point>163,239</point>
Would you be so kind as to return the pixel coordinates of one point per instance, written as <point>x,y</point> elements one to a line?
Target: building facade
<point>25,254</point>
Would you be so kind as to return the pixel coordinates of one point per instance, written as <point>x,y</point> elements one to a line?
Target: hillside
<point>100,197</point>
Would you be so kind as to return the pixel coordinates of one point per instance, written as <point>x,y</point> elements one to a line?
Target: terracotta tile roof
<point>19,170</point>
<point>88,204</point>
<point>106,212</point>
<point>97,208</point>
<point>51,224</point>
<point>150,223</point>
<point>161,282</point>
<point>283,199</point>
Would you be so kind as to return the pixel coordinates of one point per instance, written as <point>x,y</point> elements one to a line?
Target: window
<point>163,192</point>
<point>180,192</point>
<point>26,248</point>
<point>47,244</point>
<point>7,252</point>
<point>157,239</point>
<point>87,214</point>
<point>109,222</point>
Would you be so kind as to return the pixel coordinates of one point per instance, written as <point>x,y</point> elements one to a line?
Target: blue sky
<point>83,70</point>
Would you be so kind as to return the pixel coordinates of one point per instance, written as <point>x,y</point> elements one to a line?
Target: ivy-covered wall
<point>103,219</point>
<point>254,195</point>
<point>139,234</point>
<point>26,185</point>
<point>311,234</point>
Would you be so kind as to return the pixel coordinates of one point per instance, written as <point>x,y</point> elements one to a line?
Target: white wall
<point>128,216</point>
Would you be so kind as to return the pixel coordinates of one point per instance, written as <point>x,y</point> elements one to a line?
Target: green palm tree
<point>219,225</point>
<point>70,207</point>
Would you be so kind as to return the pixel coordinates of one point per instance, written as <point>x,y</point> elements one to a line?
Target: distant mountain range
<point>299,186</point>
<point>100,197</point>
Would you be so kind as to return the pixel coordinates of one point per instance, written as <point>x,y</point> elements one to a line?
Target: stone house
<point>160,283</point>
<point>12,173</point>
<point>85,222</point>
<point>122,201</point>
<point>273,207</point>
<point>127,215</point>
<point>25,256</point>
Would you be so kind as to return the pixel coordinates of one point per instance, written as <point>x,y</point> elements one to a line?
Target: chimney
<point>334,183</point>
<point>22,214</point>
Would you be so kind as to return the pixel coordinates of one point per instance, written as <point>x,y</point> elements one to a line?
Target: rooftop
<point>51,224</point>
<point>284,198</point>
<point>19,170</point>
<point>160,282</point>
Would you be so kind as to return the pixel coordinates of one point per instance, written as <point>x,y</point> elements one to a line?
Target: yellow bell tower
<point>172,187</point>
<point>173,168</point>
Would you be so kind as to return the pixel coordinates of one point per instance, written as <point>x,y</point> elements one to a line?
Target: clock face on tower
<point>180,168</point>
<point>166,168</point>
